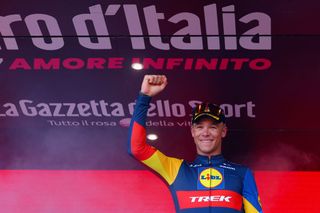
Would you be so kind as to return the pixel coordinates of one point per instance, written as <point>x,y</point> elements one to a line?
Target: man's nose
<point>205,131</point>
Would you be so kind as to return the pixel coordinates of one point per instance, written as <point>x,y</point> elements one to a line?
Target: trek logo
<point>210,178</point>
<point>216,198</point>
<point>209,198</point>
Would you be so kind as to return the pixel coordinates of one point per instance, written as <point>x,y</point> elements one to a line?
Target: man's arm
<point>251,199</point>
<point>166,166</point>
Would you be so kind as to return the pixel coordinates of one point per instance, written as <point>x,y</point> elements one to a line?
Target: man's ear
<point>192,130</point>
<point>224,130</point>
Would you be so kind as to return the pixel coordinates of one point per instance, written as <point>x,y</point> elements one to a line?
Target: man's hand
<point>153,84</point>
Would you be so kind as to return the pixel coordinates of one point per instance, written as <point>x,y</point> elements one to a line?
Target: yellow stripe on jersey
<point>248,207</point>
<point>167,167</point>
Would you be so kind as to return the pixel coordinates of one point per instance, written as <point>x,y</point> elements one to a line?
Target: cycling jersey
<point>205,185</point>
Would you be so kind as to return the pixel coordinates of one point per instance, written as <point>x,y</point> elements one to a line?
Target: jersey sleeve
<point>251,199</point>
<point>166,167</point>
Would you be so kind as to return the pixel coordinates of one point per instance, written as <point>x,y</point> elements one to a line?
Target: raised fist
<point>153,84</point>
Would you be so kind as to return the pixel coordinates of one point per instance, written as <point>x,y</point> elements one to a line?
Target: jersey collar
<point>206,160</point>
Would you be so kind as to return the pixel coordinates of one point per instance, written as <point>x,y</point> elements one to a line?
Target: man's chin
<point>207,151</point>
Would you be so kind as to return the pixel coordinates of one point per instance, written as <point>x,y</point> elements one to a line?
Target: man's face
<point>208,136</point>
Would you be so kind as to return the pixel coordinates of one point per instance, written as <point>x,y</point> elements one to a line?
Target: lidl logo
<point>210,178</point>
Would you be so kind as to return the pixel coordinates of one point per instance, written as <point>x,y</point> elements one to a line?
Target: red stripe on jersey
<point>139,147</point>
<point>213,198</point>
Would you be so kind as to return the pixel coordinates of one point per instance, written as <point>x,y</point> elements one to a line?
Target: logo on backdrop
<point>164,112</point>
<point>215,28</point>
